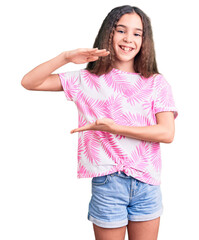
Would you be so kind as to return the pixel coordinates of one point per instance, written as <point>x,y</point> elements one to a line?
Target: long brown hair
<point>144,61</point>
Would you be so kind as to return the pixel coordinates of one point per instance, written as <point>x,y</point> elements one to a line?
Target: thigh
<point>147,230</point>
<point>109,233</point>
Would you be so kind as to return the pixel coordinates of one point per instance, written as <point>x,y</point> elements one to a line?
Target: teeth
<point>126,49</point>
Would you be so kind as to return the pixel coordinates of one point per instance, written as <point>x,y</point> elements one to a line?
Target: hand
<point>104,124</point>
<point>84,55</point>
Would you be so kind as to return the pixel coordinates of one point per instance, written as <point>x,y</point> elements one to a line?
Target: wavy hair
<point>144,61</point>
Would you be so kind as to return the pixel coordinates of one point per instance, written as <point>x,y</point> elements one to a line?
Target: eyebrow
<point>120,25</point>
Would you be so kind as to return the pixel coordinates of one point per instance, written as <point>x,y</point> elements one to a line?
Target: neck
<point>125,66</point>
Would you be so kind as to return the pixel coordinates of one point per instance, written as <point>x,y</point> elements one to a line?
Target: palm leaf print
<point>147,177</point>
<point>84,172</point>
<point>155,156</point>
<point>70,85</point>
<point>165,97</point>
<point>159,81</point>
<point>138,90</point>
<point>110,146</point>
<point>112,107</point>
<point>164,100</point>
<point>89,106</point>
<point>137,120</point>
<point>118,83</point>
<point>146,157</point>
<point>128,99</point>
<point>91,80</point>
<point>95,140</point>
<point>141,92</point>
<point>120,137</point>
<point>80,148</point>
<point>91,147</point>
<point>81,120</point>
<point>140,156</point>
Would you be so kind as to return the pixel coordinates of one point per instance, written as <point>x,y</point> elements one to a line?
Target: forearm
<point>153,133</point>
<point>37,75</point>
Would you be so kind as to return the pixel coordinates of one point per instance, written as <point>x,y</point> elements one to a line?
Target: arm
<point>163,131</point>
<point>41,77</point>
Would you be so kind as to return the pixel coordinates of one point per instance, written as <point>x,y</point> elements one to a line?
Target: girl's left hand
<point>104,124</point>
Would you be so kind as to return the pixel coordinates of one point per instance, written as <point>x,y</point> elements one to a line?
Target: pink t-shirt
<point>129,99</point>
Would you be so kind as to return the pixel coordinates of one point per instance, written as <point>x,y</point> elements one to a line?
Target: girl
<point>125,109</point>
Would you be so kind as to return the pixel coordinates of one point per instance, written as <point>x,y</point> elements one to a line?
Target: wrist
<point>115,128</point>
<point>66,55</point>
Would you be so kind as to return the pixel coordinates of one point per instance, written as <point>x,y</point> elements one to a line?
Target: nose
<point>127,39</point>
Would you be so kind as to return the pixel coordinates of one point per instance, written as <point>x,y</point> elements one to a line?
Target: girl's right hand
<point>84,55</point>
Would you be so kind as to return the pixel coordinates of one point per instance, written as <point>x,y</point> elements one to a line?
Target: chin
<point>125,59</point>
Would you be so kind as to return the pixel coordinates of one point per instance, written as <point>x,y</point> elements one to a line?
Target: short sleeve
<point>163,100</point>
<point>70,83</point>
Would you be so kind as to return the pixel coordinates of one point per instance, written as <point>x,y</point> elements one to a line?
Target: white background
<point>40,195</point>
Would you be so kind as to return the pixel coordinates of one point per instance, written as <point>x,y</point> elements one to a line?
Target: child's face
<point>127,38</point>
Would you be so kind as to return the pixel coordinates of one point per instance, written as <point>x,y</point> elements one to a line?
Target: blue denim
<point>118,198</point>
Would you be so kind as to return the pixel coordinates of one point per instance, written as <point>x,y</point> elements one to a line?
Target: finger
<point>75,130</point>
<point>96,50</point>
<point>87,50</point>
<point>79,129</point>
<point>92,59</point>
<point>95,58</point>
<point>91,49</point>
<point>101,53</point>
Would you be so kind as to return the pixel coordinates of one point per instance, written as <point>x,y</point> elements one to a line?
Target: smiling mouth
<point>126,49</point>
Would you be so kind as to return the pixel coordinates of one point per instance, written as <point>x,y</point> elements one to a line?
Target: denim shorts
<point>118,198</point>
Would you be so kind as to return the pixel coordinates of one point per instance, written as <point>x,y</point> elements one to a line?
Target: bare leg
<point>109,233</point>
<point>147,230</point>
